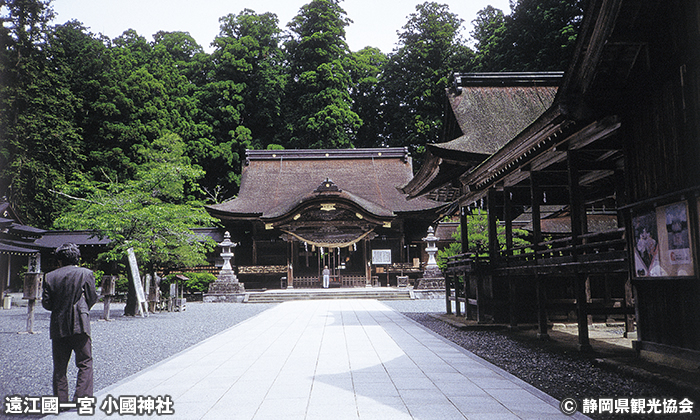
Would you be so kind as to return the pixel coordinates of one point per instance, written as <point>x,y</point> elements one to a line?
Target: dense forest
<point>82,115</point>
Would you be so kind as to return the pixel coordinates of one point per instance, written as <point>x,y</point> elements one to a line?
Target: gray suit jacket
<point>69,293</point>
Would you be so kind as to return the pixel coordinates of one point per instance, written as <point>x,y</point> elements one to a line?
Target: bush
<point>197,282</point>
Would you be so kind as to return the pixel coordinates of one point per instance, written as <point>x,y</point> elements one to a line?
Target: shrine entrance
<point>347,265</point>
<point>329,228</point>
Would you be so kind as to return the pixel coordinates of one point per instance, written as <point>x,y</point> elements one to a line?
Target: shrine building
<point>301,210</point>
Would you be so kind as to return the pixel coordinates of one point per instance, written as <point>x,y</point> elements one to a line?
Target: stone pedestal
<point>432,279</point>
<point>226,288</point>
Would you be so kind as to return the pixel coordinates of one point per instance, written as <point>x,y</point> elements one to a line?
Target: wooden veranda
<point>585,269</point>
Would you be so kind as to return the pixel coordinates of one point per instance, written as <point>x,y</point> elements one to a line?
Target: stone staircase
<point>384,293</point>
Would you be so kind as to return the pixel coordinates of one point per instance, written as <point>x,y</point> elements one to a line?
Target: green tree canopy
<point>319,112</point>
<point>417,73</point>
<point>153,213</point>
<point>538,35</point>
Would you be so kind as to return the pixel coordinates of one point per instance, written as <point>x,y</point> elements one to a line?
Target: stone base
<point>432,272</point>
<point>430,283</point>
<point>225,298</point>
<point>226,287</point>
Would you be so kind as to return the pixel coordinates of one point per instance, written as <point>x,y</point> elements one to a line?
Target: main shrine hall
<point>299,211</point>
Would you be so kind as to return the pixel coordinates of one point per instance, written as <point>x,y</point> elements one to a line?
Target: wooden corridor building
<point>622,134</point>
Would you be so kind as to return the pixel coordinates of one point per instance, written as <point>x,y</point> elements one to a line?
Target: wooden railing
<point>593,252</point>
<point>307,282</point>
<point>353,281</point>
<point>342,281</point>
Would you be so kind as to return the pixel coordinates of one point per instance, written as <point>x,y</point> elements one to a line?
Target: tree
<point>254,41</point>
<point>154,213</point>
<point>319,109</point>
<point>40,146</point>
<point>489,30</point>
<point>477,231</point>
<point>538,35</point>
<point>367,97</point>
<point>417,73</point>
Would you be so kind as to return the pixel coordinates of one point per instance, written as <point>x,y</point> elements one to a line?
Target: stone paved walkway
<point>333,359</point>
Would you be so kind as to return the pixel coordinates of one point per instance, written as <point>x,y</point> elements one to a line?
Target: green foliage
<point>195,283</point>
<point>538,35</point>
<point>80,109</point>
<point>478,238</point>
<point>367,97</point>
<point>153,213</point>
<point>319,112</point>
<point>417,73</point>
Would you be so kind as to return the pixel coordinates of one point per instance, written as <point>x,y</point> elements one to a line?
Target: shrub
<point>197,282</point>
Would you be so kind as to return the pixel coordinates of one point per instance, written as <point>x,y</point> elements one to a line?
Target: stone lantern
<point>431,248</point>
<point>432,275</point>
<point>227,254</point>
<point>226,288</point>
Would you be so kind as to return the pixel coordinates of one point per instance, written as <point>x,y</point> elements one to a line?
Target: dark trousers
<point>63,347</point>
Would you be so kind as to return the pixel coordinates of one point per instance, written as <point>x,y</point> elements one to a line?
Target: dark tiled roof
<point>8,249</point>
<point>24,231</point>
<point>445,230</point>
<point>56,238</point>
<point>273,181</point>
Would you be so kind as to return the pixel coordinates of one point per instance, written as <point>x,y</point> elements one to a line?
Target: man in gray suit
<point>69,293</point>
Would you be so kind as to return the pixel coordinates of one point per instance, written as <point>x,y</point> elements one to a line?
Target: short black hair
<point>68,254</point>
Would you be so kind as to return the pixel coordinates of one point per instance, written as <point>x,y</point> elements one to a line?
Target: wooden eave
<point>335,201</point>
<point>577,119</point>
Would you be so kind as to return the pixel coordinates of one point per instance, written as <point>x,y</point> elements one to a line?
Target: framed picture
<point>662,243</point>
<point>646,244</point>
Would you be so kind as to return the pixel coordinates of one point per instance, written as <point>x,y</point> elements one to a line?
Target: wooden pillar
<point>292,261</point>
<point>620,201</point>
<point>458,305</point>
<point>448,293</point>
<point>494,248</point>
<point>464,228</point>
<point>512,284</point>
<point>536,199</point>
<point>366,263</point>
<point>578,227</point>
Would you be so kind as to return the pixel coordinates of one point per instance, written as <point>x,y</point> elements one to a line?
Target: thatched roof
<point>489,109</point>
<point>274,182</point>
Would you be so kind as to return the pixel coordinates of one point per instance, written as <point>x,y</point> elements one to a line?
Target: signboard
<point>136,279</point>
<point>381,256</point>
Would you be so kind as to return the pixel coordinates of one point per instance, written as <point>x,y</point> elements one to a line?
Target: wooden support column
<point>448,293</point>
<point>536,199</point>
<point>620,201</point>
<point>494,249</point>
<point>292,261</point>
<point>512,284</point>
<point>464,228</point>
<point>578,227</point>
<point>464,237</point>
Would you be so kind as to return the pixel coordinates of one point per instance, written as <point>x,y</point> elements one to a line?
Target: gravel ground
<point>121,347</point>
<point>127,345</point>
<point>558,372</point>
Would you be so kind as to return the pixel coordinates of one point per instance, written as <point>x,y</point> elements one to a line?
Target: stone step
<point>272,296</point>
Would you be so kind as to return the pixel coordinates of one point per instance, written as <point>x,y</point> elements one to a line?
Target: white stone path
<point>332,359</point>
